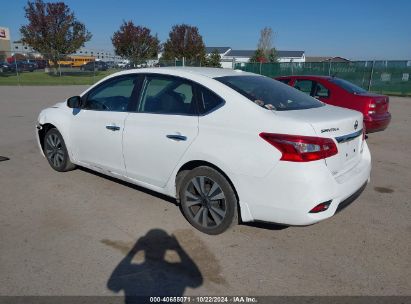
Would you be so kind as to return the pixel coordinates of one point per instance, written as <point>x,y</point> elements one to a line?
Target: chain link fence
<point>32,69</point>
<point>385,77</point>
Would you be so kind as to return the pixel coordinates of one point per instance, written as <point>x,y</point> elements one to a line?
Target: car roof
<point>207,72</point>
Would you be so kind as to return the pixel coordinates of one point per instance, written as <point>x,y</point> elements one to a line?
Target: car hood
<point>60,105</point>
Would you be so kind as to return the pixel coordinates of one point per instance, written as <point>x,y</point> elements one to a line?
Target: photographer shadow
<point>166,270</point>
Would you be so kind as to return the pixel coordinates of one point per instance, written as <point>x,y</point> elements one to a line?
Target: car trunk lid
<point>381,104</point>
<point>378,104</point>
<point>342,125</point>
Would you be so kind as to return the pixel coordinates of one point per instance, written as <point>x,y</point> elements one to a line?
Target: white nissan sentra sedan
<point>228,145</point>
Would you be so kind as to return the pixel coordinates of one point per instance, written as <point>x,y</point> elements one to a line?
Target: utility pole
<point>17,69</point>
<point>372,72</point>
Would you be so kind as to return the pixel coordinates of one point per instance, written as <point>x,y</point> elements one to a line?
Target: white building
<point>22,48</point>
<point>99,54</point>
<point>283,56</point>
<point>222,50</point>
<point>230,56</point>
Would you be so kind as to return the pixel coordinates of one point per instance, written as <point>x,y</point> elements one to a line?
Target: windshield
<point>348,86</point>
<point>270,93</point>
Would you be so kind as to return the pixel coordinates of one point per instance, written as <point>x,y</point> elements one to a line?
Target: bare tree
<point>265,50</point>
<point>266,40</point>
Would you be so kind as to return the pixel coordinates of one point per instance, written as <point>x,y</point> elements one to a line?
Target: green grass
<point>69,77</point>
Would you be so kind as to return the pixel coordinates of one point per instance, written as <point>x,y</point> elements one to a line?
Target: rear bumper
<point>377,123</point>
<point>291,190</point>
<point>345,203</point>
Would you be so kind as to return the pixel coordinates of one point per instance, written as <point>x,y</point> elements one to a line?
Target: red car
<point>342,93</point>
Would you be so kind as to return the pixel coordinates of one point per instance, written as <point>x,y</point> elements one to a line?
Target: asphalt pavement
<point>79,233</point>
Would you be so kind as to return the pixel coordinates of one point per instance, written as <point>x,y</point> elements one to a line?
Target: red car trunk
<point>339,92</point>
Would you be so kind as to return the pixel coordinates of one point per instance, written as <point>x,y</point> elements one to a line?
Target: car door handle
<point>176,137</point>
<point>113,128</point>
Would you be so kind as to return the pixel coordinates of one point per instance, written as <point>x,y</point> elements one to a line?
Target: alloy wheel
<point>54,150</point>
<point>205,201</point>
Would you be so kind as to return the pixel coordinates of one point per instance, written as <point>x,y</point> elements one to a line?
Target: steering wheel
<point>96,105</point>
<point>114,103</point>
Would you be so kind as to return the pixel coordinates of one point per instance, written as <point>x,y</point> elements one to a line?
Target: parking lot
<point>70,233</point>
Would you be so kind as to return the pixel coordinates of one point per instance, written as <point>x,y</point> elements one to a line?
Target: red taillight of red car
<point>298,148</point>
<point>372,107</point>
<point>377,105</point>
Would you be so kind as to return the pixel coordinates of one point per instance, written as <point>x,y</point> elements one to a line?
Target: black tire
<point>208,201</point>
<point>56,152</point>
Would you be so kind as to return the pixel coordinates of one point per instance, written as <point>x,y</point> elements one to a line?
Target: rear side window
<point>269,93</point>
<point>208,101</point>
<point>321,91</point>
<point>304,86</point>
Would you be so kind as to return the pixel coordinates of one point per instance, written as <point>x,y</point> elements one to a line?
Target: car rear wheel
<point>208,200</point>
<point>56,151</point>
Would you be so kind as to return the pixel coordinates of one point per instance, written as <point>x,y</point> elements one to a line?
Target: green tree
<point>135,43</point>
<point>184,41</point>
<point>258,56</point>
<point>213,60</point>
<point>53,29</point>
<point>272,56</point>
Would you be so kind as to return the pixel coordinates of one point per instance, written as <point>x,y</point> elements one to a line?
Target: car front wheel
<point>56,151</point>
<point>208,200</point>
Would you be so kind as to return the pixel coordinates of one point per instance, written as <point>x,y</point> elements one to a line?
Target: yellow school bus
<point>74,61</point>
<point>78,61</point>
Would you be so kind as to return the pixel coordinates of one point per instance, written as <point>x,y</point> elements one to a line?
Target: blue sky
<point>361,29</point>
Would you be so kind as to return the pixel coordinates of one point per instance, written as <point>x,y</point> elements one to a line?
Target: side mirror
<point>74,102</point>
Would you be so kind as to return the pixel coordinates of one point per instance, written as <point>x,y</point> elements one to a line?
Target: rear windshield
<point>348,86</point>
<point>270,93</point>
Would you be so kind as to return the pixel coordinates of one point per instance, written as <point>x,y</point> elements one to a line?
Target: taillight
<point>371,107</point>
<point>298,148</point>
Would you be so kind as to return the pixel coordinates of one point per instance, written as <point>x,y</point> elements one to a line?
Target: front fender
<point>60,118</point>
